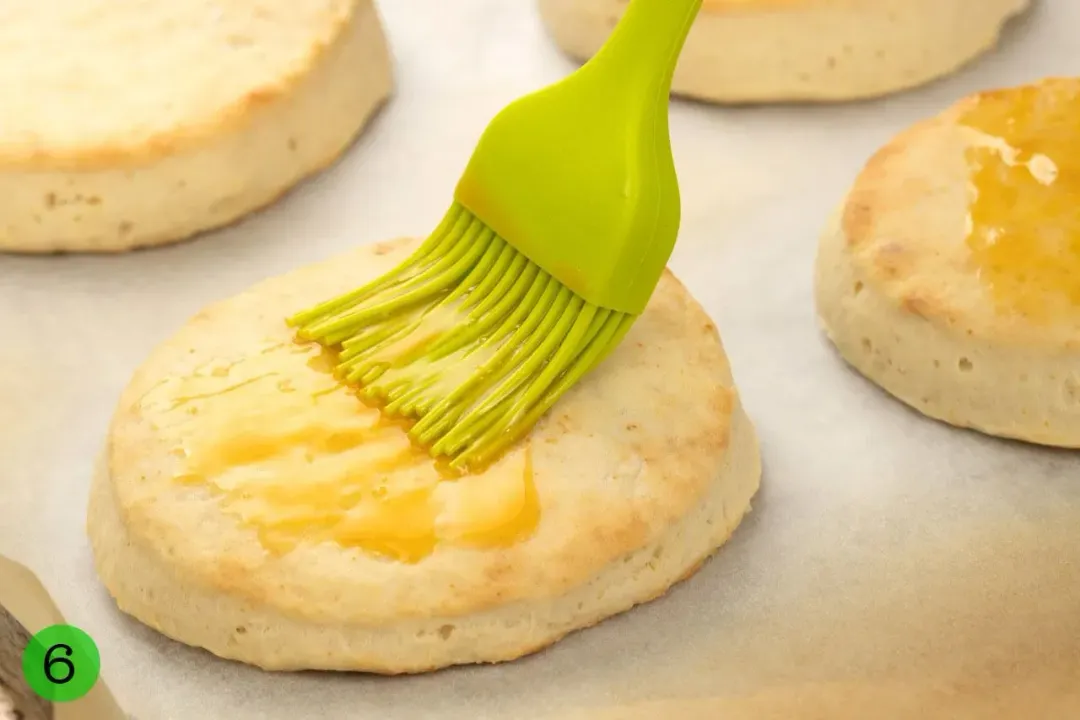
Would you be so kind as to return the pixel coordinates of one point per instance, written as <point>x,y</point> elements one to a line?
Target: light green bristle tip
<point>467,337</point>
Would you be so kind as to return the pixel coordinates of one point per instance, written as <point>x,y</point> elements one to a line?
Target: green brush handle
<point>579,176</point>
<point>645,46</point>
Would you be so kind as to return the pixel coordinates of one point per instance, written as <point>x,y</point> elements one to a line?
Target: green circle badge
<point>61,663</point>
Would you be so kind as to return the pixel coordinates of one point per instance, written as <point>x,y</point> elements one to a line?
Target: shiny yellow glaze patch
<point>1024,230</point>
<point>295,455</point>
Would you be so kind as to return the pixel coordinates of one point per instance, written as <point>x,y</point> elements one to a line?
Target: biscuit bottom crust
<point>809,50</point>
<point>636,492</point>
<point>1007,389</point>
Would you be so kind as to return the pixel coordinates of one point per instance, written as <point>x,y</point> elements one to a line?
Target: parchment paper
<point>892,564</point>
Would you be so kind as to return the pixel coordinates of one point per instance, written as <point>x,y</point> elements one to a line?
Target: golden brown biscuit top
<point>629,451</point>
<point>968,219</point>
<point>146,78</point>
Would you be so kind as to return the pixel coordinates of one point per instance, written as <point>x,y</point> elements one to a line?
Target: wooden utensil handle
<point>24,702</point>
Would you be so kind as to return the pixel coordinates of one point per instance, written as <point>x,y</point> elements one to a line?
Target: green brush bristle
<point>468,337</point>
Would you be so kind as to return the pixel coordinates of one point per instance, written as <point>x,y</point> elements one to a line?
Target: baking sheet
<point>889,559</point>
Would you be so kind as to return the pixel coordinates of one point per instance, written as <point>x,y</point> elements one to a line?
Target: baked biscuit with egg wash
<point>250,504</point>
<point>951,275</point>
<point>131,123</point>
<point>804,50</point>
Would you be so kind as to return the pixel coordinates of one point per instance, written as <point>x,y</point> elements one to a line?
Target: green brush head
<point>562,224</point>
<point>468,337</point>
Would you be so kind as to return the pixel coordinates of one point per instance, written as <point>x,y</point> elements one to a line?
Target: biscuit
<point>130,123</point>
<point>743,51</point>
<point>951,274</point>
<point>249,504</point>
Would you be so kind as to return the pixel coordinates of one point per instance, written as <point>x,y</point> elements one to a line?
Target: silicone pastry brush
<point>560,229</point>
